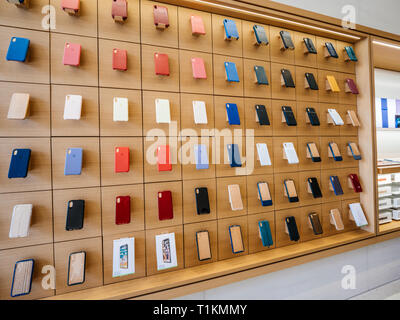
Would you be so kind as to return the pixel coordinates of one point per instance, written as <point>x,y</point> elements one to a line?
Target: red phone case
<point>121,159</point>
<point>352,86</point>
<point>72,54</point>
<point>356,183</point>
<point>70,4</point>
<point>164,158</point>
<point>161,19</point>
<point>197,25</point>
<point>161,64</point>
<point>119,9</point>
<point>198,68</point>
<point>165,210</point>
<point>123,210</point>
<point>120,60</point>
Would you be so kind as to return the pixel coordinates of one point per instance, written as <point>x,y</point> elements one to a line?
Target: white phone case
<point>199,112</point>
<point>73,107</point>
<point>120,111</point>
<point>337,119</point>
<point>20,221</point>
<point>263,154</point>
<point>290,153</point>
<point>163,114</point>
<point>358,214</point>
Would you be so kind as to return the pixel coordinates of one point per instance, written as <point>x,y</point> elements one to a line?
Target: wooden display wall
<point>48,81</point>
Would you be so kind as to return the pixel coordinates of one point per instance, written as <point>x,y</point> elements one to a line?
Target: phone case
<point>289,116</point>
<point>20,3</point>
<point>165,209</point>
<point>313,117</point>
<point>334,87</point>
<point>197,25</point>
<point>160,14</point>
<point>234,155</point>
<point>122,210</point>
<point>264,194</point>
<point>310,46</point>
<point>337,187</point>
<point>231,31</point>
<point>313,151</point>
<point>263,154</point>
<point>72,107</point>
<point>354,150</point>
<point>76,268</point>
<point>353,118</point>
<point>201,156</point>
<point>355,182</point>
<point>75,215</point>
<point>315,223</point>
<point>235,197</point>
<point>314,187</point>
<point>200,112</point>
<point>19,106</point>
<point>350,53</point>
<point>287,78</point>
<point>120,60</point>
<point>121,159</point>
<point>73,161</point>
<point>336,118</point>
<point>198,68</point>
<point>334,149</point>
<point>203,245</point>
<point>71,6</point>
<point>352,86</point>
<point>163,111</point>
<point>120,109</point>
<point>336,218</point>
<point>290,190</point>
<point>265,233</point>
<point>331,50</point>
<point>262,115</point>
<point>286,40</point>
<point>18,49</point>
<point>358,214</point>
<point>235,234</point>
<point>231,72</point>
<point>260,35</point>
<point>260,75</point>
<point>119,10</point>
<point>164,158</point>
<point>22,278</point>
<point>290,153</point>
<point>19,163</point>
<point>20,221</point>
<point>72,54</point>
<point>161,64</point>
<point>292,229</point>
<point>233,114</point>
<point>202,201</point>
<point>312,83</point>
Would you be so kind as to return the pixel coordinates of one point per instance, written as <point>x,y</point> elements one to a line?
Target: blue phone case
<point>73,161</point>
<point>261,75</point>
<point>230,29</point>
<point>18,49</point>
<point>200,151</point>
<point>230,237</point>
<point>30,285</point>
<point>351,53</point>
<point>358,157</point>
<point>337,187</point>
<point>231,72</point>
<point>336,157</point>
<point>264,203</point>
<point>265,233</point>
<point>234,155</point>
<point>19,163</point>
<point>233,114</point>
<point>261,36</point>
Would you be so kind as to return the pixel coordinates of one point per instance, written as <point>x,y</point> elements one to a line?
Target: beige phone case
<point>355,149</point>
<point>353,118</point>
<point>19,106</point>
<point>336,218</point>
<point>203,245</point>
<point>22,278</point>
<point>335,149</point>
<point>291,188</point>
<point>76,271</point>
<point>314,150</point>
<point>235,198</point>
<point>264,191</point>
<point>236,239</point>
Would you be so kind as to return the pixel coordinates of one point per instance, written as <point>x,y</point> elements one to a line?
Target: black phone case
<point>202,201</point>
<point>310,46</point>
<point>315,189</point>
<point>287,40</point>
<point>287,77</point>
<point>289,116</point>
<point>311,81</point>
<point>331,50</point>
<point>292,228</point>
<point>262,115</point>
<point>313,117</point>
<point>75,215</point>
<point>315,223</point>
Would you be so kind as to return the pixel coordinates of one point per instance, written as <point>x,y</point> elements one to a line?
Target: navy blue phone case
<point>19,163</point>
<point>337,187</point>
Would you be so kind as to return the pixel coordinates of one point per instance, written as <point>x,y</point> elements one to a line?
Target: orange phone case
<point>164,158</point>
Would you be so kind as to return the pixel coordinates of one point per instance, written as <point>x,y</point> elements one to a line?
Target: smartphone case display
<point>123,257</point>
<point>166,251</point>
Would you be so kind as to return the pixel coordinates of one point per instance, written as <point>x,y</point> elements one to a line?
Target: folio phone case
<point>286,40</point>
<point>161,64</point>
<point>331,50</point>
<point>334,149</point>
<point>18,49</point>
<point>312,83</point>
<point>315,223</point>
<point>121,159</point>
<point>20,221</point>
<point>163,111</point>
<point>355,182</point>
<point>310,46</point>
<point>354,151</point>
<point>201,156</point>
<point>234,155</point>
<point>120,109</point>
<point>313,117</point>
<point>198,68</point>
<point>352,86</point>
<point>292,228</point>
<point>72,54</point>
<point>290,153</point>
<point>197,25</point>
<point>287,78</point>
<point>22,278</point>
<point>336,118</point>
<point>19,106</point>
<point>119,10</point>
<point>350,53</point>
<point>313,151</point>
<point>203,245</point>
<point>263,154</point>
<point>336,219</point>
<point>260,34</point>
<point>231,72</point>
<point>337,187</point>
<point>202,201</point>
<point>289,116</point>
<point>265,233</point>
<point>200,112</point>
<point>262,115</point>
<point>73,161</point>
<point>260,75</point>
<point>120,60</point>
<point>76,268</point>
<point>160,14</point>
<point>235,234</point>
<point>233,114</point>
<point>72,107</point>
<point>123,210</point>
<point>165,209</point>
<point>19,163</point>
<point>231,32</point>
<point>164,158</point>
<point>314,187</point>
<point>235,197</point>
<point>75,215</point>
<point>290,190</point>
<point>264,194</point>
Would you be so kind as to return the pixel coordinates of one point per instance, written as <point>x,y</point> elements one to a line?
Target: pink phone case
<point>72,54</point>
<point>198,68</point>
<point>352,86</point>
<point>197,25</point>
<point>161,64</point>
<point>120,60</point>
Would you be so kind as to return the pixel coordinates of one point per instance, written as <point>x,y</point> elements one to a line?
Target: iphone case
<point>119,10</point>
<point>289,116</point>
<point>235,197</point>
<point>312,83</point>
<point>19,163</point>
<point>313,151</point>
<point>353,118</point>
<point>265,233</point>
<point>75,215</point>
<point>20,221</point>
<point>286,40</point>
<point>161,64</point>
<point>164,158</point>
<point>198,68</point>
<point>314,186</point>
<point>355,182</point>
<point>121,159</point>
<point>120,60</point>
<point>260,34</point>
<point>337,119</point>
<point>337,187</point>
<point>336,218</point>
<point>19,106</point>
<point>313,117</point>
<point>201,156</point>
<point>165,209</point>
<point>70,5</point>
<point>354,150</point>
<point>203,245</point>
<point>202,201</point>
<point>264,194</point>
<point>287,78</point>
<point>197,25</point>
<point>73,107</point>
<point>263,154</point>
<point>234,155</point>
<point>163,111</point>
<point>261,76</point>
<point>231,72</point>
<point>233,114</point>
<point>120,109</point>
<point>350,53</point>
<point>358,214</point>
<point>331,50</point>
<point>200,112</point>
<point>310,45</point>
<point>18,49</point>
<point>231,31</point>
<point>333,83</point>
<point>72,54</point>
<point>290,152</point>
<point>292,229</point>
<point>22,278</point>
<point>235,234</point>
<point>291,192</point>
<point>262,115</point>
<point>122,210</point>
<point>76,268</point>
<point>160,14</point>
<point>352,86</point>
<point>315,223</point>
<point>333,147</point>
<point>73,161</point>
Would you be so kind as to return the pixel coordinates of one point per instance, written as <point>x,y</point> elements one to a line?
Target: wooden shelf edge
<point>389,227</point>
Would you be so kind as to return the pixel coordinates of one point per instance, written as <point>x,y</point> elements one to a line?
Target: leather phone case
<point>262,115</point>
<point>203,245</point>
<point>291,192</point>
<point>334,149</point>
<point>289,116</point>
<point>165,209</point>
<point>265,233</point>
<point>202,201</point>
<point>235,234</point>
<point>72,107</point>
<point>120,60</point>
<point>314,187</point>
<point>292,229</point>
<point>260,75</point>
<point>22,278</point>
<point>19,106</point>
<point>201,156</point>
<point>163,111</point>
<point>336,218</point>
<point>75,215</point>
<point>234,155</point>
<point>121,159</point>
<point>331,50</point>
<point>233,114</point>
<point>355,182</point>
<point>310,45</point>
<point>231,72</point>
<point>290,153</point>
<point>312,83</point>
<point>164,158</point>
<point>161,64</point>
<point>315,223</point>
<point>260,34</point>
<point>200,112</point>
<point>353,118</point>
<point>198,68</point>
<point>73,161</point>
<point>263,154</point>
<point>235,197</point>
<point>352,86</point>
<point>287,78</point>
<point>264,194</point>
<point>313,151</point>
<point>72,54</point>
<point>350,53</point>
<point>20,221</point>
<point>76,268</point>
<point>197,25</point>
<point>354,150</point>
<point>286,40</point>
<point>337,187</point>
<point>123,210</point>
<point>19,163</point>
<point>119,10</point>
<point>333,83</point>
<point>313,117</point>
<point>231,31</point>
<point>18,49</point>
<point>120,109</point>
<point>160,14</point>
